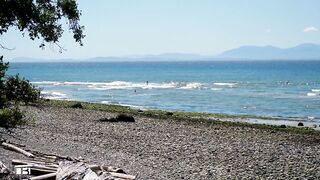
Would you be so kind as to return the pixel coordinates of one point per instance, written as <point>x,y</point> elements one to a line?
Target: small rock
<point>125,118</point>
<point>300,124</point>
<point>140,111</point>
<point>77,105</point>
<point>282,126</point>
<point>169,113</point>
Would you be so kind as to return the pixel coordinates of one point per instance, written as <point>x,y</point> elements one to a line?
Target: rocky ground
<point>170,149</point>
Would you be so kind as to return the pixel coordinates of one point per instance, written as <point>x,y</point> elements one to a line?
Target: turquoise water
<point>264,88</point>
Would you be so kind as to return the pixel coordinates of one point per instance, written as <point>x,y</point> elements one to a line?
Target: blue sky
<point>138,27</point>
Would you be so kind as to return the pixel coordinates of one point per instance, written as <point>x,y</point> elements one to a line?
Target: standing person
<point>147,83</point>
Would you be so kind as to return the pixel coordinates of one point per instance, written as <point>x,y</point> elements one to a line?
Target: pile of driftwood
<point>43,167</point>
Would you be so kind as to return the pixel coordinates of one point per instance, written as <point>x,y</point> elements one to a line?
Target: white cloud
<point>268,30</point>
<point>310,29</point>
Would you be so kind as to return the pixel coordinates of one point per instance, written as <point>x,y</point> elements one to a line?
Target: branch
<point>6,48</point>
<point>60,48</point>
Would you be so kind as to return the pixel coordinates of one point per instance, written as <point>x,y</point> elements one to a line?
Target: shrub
<point>20,90</point>
<point>11,118</point>
<point>13,91</point>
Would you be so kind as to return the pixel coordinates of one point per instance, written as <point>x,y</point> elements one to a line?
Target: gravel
<point>170,149</point>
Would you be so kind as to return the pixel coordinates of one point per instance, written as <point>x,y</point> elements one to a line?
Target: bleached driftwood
<point>15,148</point>
<point>123,176</point>
<point>72,170</point>
<point>29,162</point>
<point>45,176</point>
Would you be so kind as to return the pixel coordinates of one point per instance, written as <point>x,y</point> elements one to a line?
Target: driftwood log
<point>45,176</point>
<point>17,149</point>
<point>72,170</point>
<point>68,168</point>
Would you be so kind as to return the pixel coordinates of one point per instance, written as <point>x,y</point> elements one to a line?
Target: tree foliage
<point>41,18</point>
<point>38,19</point>
<point>18,89</point>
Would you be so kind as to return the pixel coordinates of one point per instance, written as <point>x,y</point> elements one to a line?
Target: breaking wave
<point>53,95</point>
<point>118,85</point>
<point>225,84</point>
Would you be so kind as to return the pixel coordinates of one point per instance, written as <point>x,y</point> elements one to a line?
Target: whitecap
<point>315,90</point>
<point>53,95</point>
<point>311,94</point>
<point>194,85</point>
<point>105,102</point>
<point>311,118</point>
<point>225,84</point>
<point>216,89</point>
<point>45,82</point>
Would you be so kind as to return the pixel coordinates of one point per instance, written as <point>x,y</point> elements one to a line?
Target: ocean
<point>289,89</point>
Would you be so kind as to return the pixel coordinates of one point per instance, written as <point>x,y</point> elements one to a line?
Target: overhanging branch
<point>6,48</point>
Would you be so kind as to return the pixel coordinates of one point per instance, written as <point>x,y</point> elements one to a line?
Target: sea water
<point>288,89</point>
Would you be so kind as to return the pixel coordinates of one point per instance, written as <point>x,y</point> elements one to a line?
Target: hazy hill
<point>300,52</point>
<point>303,51</point>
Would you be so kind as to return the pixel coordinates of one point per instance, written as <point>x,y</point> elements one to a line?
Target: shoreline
<point>245,120</point>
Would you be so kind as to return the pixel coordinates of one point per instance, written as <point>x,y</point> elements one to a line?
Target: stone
<point>300,124</point>
<point>169,113</point>
<point>77,105</point>
<point>125,118</point>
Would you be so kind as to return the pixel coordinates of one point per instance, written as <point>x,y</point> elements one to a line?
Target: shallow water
<point>264,88</point>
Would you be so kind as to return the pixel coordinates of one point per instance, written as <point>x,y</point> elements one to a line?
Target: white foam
<point>103,86</point>
<point>130,85</point>
<point>105,102</point>
<point>194,85</point>
<point>315,90</point>
<point>216,89</point>
<point>225,84</point>
<point>44,82</point>
<point>311,118</point>
<point>311,94</point>
<point>53,95</point>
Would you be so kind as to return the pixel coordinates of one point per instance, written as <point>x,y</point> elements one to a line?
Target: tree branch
<point>6,48</point>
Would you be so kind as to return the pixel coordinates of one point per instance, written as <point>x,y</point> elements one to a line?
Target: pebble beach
<point>154,148</point>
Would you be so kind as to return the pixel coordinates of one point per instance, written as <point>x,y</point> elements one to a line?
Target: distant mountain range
<point>301,52</point>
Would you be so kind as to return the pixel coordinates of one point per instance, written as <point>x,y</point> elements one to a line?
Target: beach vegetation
<point>14,91</point>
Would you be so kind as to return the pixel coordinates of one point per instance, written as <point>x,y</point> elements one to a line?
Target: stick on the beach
<point>123,176</point>
<point>15,148</point>
<point>45,176</point>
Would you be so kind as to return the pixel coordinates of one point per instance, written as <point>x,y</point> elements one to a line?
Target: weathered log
<point>45,176</point>
<point>38,171</point>
<point>15,148</point>
<point>90,175</point>
<point>71,170</point>
<point>35,163</point>
<point>43,167</point>
<point>123,176</point>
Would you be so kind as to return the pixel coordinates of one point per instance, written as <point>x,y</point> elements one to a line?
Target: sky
<point>206,27</point>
